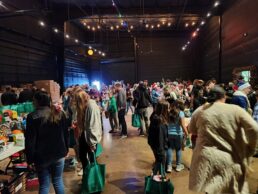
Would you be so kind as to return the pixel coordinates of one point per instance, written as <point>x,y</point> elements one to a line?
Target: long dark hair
<point>175,108</point>
<point>162,110</point>
<point>215,94</point>
<point>42,99</point>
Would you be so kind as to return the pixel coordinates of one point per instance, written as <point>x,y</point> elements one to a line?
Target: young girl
<point>158,132</point>
<point>176,130</point>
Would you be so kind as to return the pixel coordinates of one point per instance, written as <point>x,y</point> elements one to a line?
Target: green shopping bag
<point>136,120</point>
<point>99,150</point>
<point>188,142</point>
<point>93,180</point>
<point>162,186</point>
<point>20,108</point>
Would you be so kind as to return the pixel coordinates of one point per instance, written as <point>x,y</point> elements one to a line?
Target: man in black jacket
<point>142,101</point>
<point>26,95</point>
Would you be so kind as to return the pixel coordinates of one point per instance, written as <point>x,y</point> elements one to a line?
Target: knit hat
<point>244,86</point>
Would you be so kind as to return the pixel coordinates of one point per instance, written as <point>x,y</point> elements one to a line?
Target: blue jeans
<point>129,105</point>
<point>55,171</point>
<point>175,143</point>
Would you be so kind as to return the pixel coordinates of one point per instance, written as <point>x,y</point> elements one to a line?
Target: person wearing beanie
<point>240,97</point>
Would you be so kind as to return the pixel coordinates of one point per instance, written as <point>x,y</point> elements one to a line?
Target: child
<point>176,129</point>
<point>158,132</point>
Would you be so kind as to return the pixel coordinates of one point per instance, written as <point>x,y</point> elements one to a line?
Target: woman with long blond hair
<point>89,123</point>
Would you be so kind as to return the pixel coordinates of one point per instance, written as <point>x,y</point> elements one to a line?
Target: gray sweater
<point>93,128</point>
<point>121,99</point>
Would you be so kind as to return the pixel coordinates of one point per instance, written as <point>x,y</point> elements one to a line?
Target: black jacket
<point>9,98</point>
<point>142,97</point>
<point>45,142</point>
<point>158,135</point>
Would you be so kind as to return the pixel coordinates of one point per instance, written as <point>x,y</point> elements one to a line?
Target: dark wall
<point>161,57</point>
<point>26,52</point>
<point>237,50</point>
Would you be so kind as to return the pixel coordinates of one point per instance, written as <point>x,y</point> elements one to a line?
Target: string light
<point>84,24</point>
<point>55,30</point>
<point>100,52</point>
<point>208,14</point>
<point>98,27</point>
<point>131,27</point>
<point>186,25</point>
<point>188,42</point>
<point>193,23</point>
<point>93,28</point>
<point>117,27</point>
<point>183,48</point>
<point>198,29</point>
<point>111,28</point>
<point>216,4</point>
<point>90,47</point>
<point>194,34</point>
<point>147,25</point>
<point>158,25</point>
<point>88,27</point>
<point>76,40</point>
<point>152,26</point>
<point>67,36</point>
<point>103,54</point>
<point>163,23</point>
<point>41,23</point>
<point>169,24</point>
<point>202,23</point>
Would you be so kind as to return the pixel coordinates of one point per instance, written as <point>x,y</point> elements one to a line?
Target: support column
<point>220,49</point>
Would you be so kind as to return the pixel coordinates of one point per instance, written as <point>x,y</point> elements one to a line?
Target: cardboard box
<point>51,87</point>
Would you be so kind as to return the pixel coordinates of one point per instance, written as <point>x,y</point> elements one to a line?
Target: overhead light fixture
<point>216,4</point>
<point>183,48</point>
<point>117,27</point>
<point>208,14</point>
<point>67,36</point>
<point>198,29</point>
<point>152,26</point>
<point>95,50</point>
<point>193,23</point>
<point>100,52</point>
<point>84,24</point>
<point>202,23</point>
<point>128,30</point>
<point>163,22</point>
<point>93,28</point>
<point>147,25</point>
<point>186,25</point>
<point>56,30</point>
<point>111,28</point>
<point>113,3</point>
<point>131,27</point>
<point>169,24</point>
<point>88,27</point>
<point>41,23</point>
<point>158,25</point>
<point>90,52</point>
<point>90,47</point>
<point>76,40</point>
<point>194,34</point>
<point>188,42</point>
<point>103,54</point>
<point>98,27</point>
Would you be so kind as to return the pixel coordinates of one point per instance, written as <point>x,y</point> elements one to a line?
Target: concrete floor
<point>128,161</point>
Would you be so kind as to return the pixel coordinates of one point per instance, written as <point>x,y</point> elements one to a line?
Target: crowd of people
<point>223,127</point>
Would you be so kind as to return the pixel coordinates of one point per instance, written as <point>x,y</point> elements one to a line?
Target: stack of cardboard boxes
<point>51,87</point>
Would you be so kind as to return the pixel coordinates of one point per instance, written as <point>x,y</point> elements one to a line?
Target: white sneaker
<point>180,167</point>
<point>169,168</point>
<point>80,173</point>
<point>123,136</point>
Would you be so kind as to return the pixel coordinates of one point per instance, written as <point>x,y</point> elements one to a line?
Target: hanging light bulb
<point>56,30</point>
<point>131,27</point>
<point>198,29</point>
<point>147,25</point>
<point>90,52</point>
<point>84,24</point>
<point>152,26</point>
<point>113,3</point>
<point>100,52</point>
<point>103,54</point>
<point>188,42</point>
<point>111,28</point>
<point>88,27</point>
<point>67,36</point>
<point>163,22</point>
<point>117,26</point>
<point>193,23</point>
<point>93,28</point>
<point>186,25</point>
<point>90,47</point>
<point>194,34</point>
<point>169,24</point>
<point>183,48</point>
<point>202,23</point>
<point>216,4</point>
<point>76,40</point>
<point>158,25</point>
<point>41,23</point>
<point>98,27</point>
<point>208,14</point>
